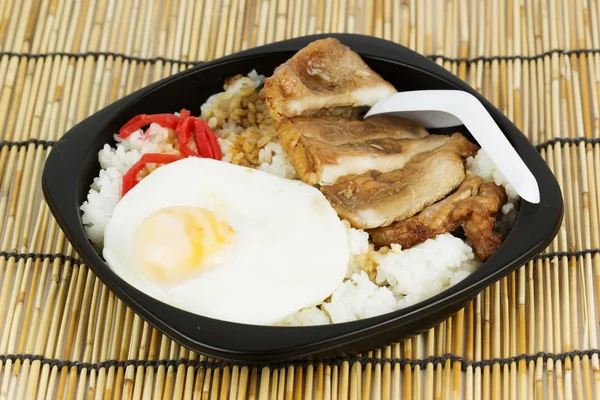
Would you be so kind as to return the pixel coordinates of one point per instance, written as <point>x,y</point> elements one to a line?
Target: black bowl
<point>73,163</point>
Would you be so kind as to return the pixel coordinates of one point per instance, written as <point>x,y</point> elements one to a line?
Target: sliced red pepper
<point>165,120</point>
<point>204,137</point>
<point>200,133</point>
<point>160,158</point>
<point>214,143</point>
<point>183,134</point>
<point>183,115</point>
<point>130,179</point>
<point>135,123</point>
<point>170,121</point>
<point>212,138</point>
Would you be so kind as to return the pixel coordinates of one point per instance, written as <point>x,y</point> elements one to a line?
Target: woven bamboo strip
<point>565,86</point>
<point>270,21</point>
<point>47,112</point>
<point>514,113</point>
<point>15,211</point>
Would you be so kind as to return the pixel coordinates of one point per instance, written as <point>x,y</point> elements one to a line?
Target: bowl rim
<point>534,229</point>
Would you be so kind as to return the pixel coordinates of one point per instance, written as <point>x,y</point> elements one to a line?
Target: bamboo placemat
<point>63,334</point>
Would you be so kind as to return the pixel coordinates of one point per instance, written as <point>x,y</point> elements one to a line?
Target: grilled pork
<point>325,77</point>
<point>322,149</point>
<point>375,199</point>
<point>474,205</point>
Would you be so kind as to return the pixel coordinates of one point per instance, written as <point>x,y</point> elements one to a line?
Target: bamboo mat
<point>64,335</point>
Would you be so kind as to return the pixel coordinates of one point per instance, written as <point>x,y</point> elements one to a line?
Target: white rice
<point>105,191</point>
<point>377,282</point>
<point>404,278</point>
<point>273,160</point>
<point>483,166</point>
<point>425,269</point>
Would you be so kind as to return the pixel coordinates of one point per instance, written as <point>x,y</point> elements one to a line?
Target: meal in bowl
<point>280,205</point>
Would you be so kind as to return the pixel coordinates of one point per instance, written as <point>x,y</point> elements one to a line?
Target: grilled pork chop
<point>375,199</point>
<point>322,149</point>
<point>323,75</point>
<point>474,205</point>
<point>479,215</point>
<point>432,221</point>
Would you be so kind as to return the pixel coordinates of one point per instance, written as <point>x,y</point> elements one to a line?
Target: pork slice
<point>325,75</point>
<point>375,199</point>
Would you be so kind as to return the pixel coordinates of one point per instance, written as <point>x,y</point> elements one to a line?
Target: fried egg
<point>227,242</point>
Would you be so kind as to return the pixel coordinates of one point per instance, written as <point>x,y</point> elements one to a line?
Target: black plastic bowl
<point>73,163</point>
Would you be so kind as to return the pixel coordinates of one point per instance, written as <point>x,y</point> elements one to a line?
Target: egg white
<point>289,251</point>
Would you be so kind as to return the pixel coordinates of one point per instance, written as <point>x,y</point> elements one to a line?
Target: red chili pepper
<point>165,120</point>
<point>212,138</point>
<point>183,115</point>
<point>183,134</point>
<point>204,137</point>
<point>130,179</point>
<point>170,121</point>
<point>202,142</point>
<point>203,133</point>
<point>135,123</point>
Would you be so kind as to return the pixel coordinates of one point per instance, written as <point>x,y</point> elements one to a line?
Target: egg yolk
<point>175,242</point>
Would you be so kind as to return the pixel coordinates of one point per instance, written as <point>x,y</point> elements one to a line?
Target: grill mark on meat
<point>325,148</point>
<point>474,205</point>
<point>434,220</point>
<point>323,75</point>
<point>375,199</point>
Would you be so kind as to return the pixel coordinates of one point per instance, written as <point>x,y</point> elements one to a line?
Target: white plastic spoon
<point>447,108</point>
